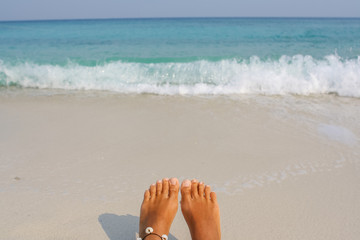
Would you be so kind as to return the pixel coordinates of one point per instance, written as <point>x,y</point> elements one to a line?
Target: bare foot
<point>159,207</point>
<point>200,210</point>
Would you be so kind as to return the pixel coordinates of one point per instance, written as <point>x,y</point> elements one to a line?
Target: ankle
<point>153,233</point>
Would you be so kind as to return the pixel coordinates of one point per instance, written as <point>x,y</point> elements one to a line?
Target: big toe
<point>174,188</point>
<point>186,189</point>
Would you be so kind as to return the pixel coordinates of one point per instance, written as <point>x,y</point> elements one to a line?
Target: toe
<point>201,189</point>
<point>213,196</point>
<point>207,192</point>
<point>186,190</point>
<point>165,186</point>
<point>174,188</point>
<point>152,191</point>
<point>158,187</point>
<point>194,188</point>
<point>147,195</point>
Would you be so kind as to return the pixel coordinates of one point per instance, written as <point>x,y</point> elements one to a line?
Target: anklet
<point>150,231</point>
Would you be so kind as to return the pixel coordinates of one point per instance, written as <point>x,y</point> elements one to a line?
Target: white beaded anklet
<point>150,231</point>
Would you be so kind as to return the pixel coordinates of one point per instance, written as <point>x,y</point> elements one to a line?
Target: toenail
<point>186,183</point>
<point>173,181</point>
<point>194,180</point>
<point>159,181</point>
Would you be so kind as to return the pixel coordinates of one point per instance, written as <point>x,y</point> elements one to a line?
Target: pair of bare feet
<point>198,205</point>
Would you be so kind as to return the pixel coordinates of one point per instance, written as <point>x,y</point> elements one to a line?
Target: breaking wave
<point>300,75</point>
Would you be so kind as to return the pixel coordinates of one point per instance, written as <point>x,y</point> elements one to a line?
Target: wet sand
<point>76,166</point>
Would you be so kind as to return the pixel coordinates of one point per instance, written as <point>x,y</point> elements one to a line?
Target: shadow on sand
<point>121,227</point>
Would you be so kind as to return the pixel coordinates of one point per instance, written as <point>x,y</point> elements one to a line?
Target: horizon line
<point>139,18</point>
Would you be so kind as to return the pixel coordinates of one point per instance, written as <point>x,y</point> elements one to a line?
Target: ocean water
<point>184,56</point>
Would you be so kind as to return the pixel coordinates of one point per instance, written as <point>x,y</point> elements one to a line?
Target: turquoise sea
<point>186,56</point>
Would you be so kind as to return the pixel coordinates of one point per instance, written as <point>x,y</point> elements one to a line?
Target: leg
<point>159,207</point>
<point>201,210</point>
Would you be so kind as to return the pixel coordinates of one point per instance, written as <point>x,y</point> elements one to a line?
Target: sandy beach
<point>75,166</point>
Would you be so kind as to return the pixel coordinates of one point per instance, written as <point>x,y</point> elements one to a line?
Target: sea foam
<point>300,75</point>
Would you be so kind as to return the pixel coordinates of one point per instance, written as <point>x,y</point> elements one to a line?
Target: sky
<point>82,9</point>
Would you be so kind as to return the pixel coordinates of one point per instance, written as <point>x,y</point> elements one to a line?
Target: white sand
<point>76,167</point>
